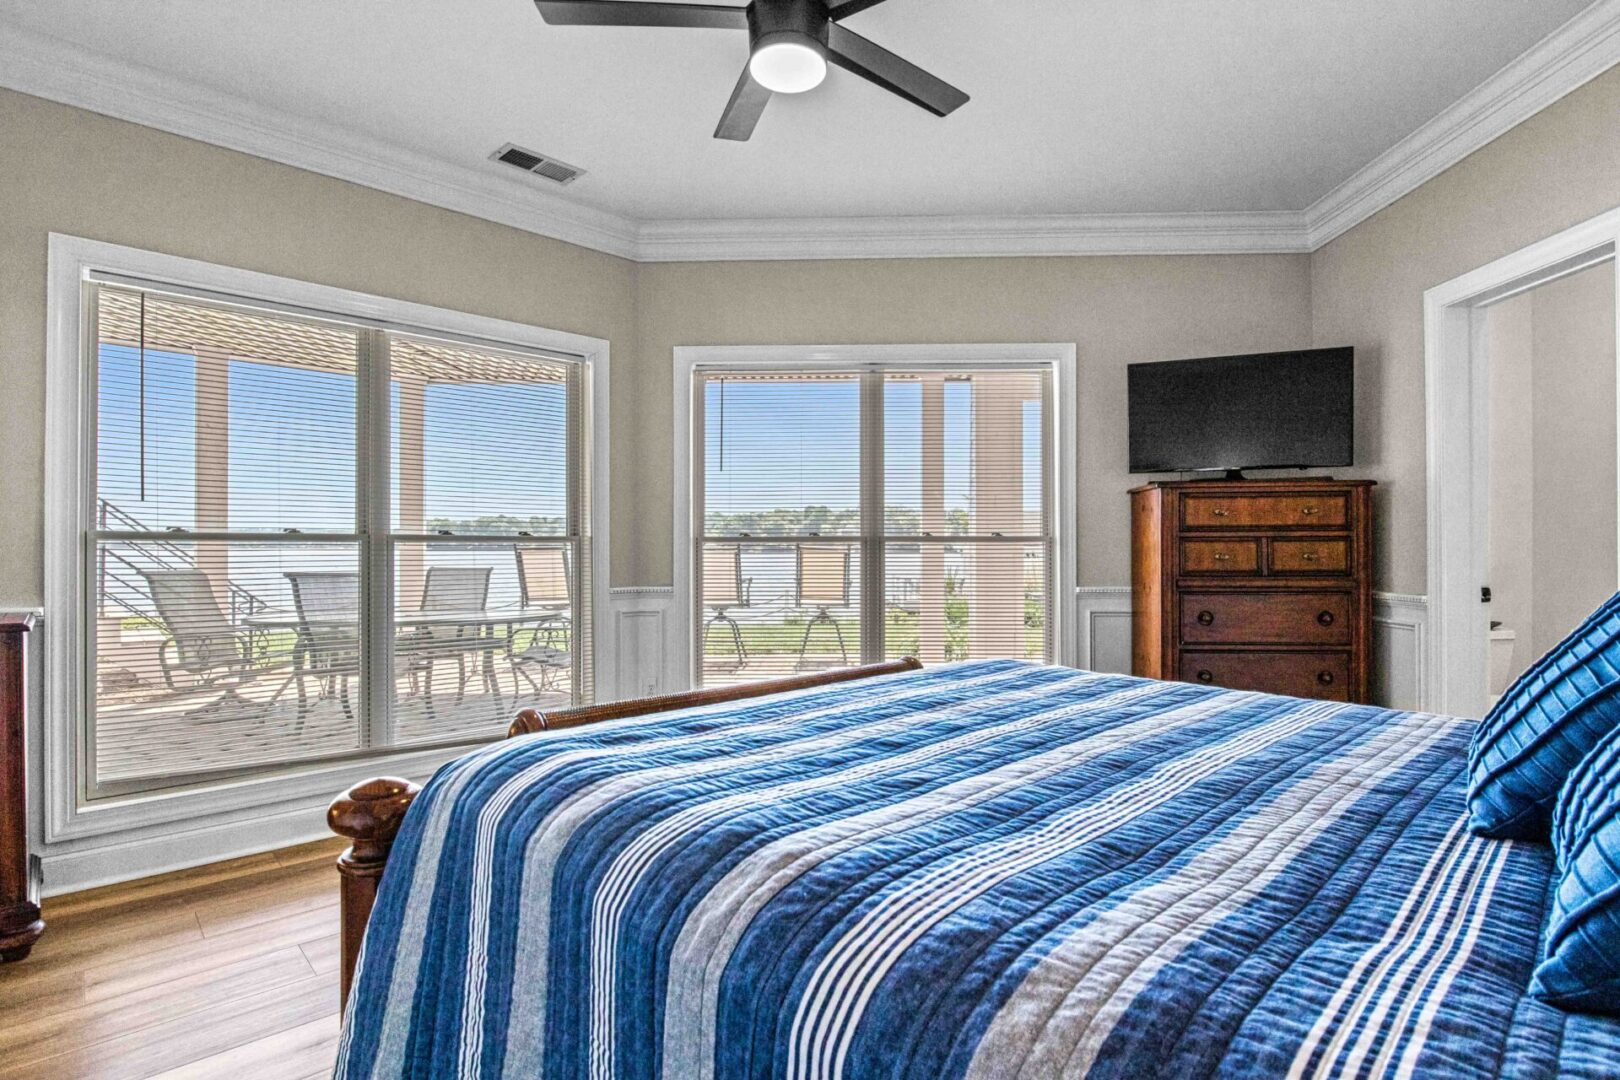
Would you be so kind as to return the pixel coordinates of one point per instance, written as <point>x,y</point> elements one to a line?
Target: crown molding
<point>1559,64</point>
<point>1562,62</point>
<point>1243,233</point>
<point>50,68</point>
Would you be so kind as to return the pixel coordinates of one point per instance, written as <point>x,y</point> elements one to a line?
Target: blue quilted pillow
<point>1542,727</point>
<point>1580,966</point>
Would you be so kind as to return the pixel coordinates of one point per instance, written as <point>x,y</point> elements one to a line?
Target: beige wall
<point>1555,170</point>
<point>1573,409</point>
<point>1553,513</point>
<point>69,171</point>
<point>1116,310</point>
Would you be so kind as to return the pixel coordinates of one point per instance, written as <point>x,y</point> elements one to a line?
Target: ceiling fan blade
<point>630,13</point>
<point>748,101</point>
<point>849,7</point>
<point>854,53</point>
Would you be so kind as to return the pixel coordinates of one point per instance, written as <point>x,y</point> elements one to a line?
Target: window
<point>850,514</point>
<point>311,536</point>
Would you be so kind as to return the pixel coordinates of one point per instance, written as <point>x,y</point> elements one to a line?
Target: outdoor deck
<point>157,737</point>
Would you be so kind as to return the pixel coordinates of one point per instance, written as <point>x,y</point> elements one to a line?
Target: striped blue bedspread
<point>984,870</point>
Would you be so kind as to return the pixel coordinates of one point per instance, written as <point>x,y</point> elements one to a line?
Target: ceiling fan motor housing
<point>772,21</point>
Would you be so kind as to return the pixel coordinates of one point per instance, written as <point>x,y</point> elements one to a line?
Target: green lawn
<point>899,635</point>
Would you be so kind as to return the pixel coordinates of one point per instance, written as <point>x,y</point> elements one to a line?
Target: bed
<point>980,870</point>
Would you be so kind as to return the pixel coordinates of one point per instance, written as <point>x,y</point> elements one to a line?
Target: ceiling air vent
<point>559,172</point>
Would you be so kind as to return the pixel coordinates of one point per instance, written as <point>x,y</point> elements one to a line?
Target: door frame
<point>1457,422</point>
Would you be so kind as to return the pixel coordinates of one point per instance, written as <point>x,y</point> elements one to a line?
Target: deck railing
<point>118,577</point>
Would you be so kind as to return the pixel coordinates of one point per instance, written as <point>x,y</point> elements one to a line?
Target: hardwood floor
<point>228,970</point>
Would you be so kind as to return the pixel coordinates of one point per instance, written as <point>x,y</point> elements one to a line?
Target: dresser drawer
<point>1220,556</point>
<point>1324,675</point>
<point>1264,511</point>
<point>1309,557</point>
<point>1266,618</point>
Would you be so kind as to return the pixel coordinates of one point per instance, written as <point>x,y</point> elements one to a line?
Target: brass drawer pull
<point>1222,556</point>
<point>1310,511</point>
<point>1325,678</point>
<point>1309,556</point>
<point>1325,618</point>
<point>1219,511</point>
<point>1205,676</point>
<point>1205,618</point>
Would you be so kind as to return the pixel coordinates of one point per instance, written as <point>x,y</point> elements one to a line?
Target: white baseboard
<point>123,859</point>
<point>1400,641</point>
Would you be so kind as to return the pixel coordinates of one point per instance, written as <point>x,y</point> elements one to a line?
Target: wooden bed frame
<point>369,814</point>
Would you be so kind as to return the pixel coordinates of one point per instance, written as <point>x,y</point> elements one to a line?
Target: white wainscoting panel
<point>643,655</point>
<point>1400,641</point>
<point>1103,613</point>
<point>1400,651</point>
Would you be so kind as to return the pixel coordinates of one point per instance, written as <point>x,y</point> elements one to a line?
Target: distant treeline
<point>823,519</point>
<point>777,522</point>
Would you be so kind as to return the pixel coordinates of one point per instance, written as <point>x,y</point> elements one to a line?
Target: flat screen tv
<point>1262,411</point>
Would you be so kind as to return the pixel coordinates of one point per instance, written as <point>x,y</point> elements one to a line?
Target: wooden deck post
<point>369,814</point>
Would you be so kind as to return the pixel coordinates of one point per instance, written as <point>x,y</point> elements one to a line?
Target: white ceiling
<point>1078,106</point>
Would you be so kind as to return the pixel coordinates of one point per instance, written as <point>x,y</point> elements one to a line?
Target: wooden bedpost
<point>369,815</point>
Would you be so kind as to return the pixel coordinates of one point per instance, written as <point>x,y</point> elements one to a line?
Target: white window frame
<point>1058,358</point>
<point>69,464</point>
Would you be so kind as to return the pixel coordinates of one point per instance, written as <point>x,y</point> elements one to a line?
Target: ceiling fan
<point>790,45</point>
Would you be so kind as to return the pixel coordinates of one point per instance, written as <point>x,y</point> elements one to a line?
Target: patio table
<point>485,621</point>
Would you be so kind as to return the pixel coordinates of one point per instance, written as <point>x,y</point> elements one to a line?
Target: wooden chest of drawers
<point>1254,585</point>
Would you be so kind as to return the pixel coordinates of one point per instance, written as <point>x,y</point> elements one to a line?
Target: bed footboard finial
<point>527,723</point>
<point>369,815</point>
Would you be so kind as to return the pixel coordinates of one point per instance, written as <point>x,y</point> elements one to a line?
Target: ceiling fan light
<point>788,67</point>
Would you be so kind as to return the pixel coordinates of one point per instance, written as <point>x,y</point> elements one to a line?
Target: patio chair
<point>327,606</point>
<point>202,642</point>
<point>451,590</point>
<point>724,588</point>
<point>544,581</point>
<point>822,582</point>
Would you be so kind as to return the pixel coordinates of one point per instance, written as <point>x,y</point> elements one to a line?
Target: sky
<point>769,445</point>
<point>783,444</point>
<point>487,449</point>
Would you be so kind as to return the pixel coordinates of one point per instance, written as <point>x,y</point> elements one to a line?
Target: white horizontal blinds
<point>486,450</point>
<point>949,503</point>
<point>213,656</point>
<point>781,459</point>
<point>951,600</point>
<point>481,440</point>
<point>233,626</point>
<point>217,429</point>
<point>220,419</point>
<point>782,454</point>
<point>216,658</point>
<point>461,638</point>
<point>775,608</point>
<point>967,514</point>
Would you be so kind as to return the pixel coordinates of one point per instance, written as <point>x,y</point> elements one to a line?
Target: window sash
<point>871,540</point>
<point>373,536</point>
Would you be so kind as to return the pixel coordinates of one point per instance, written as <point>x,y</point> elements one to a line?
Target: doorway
<point>1524,459</point>
<point>1552,507</point>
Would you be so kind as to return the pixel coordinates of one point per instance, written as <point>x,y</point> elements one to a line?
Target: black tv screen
<point>1267,410</point>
